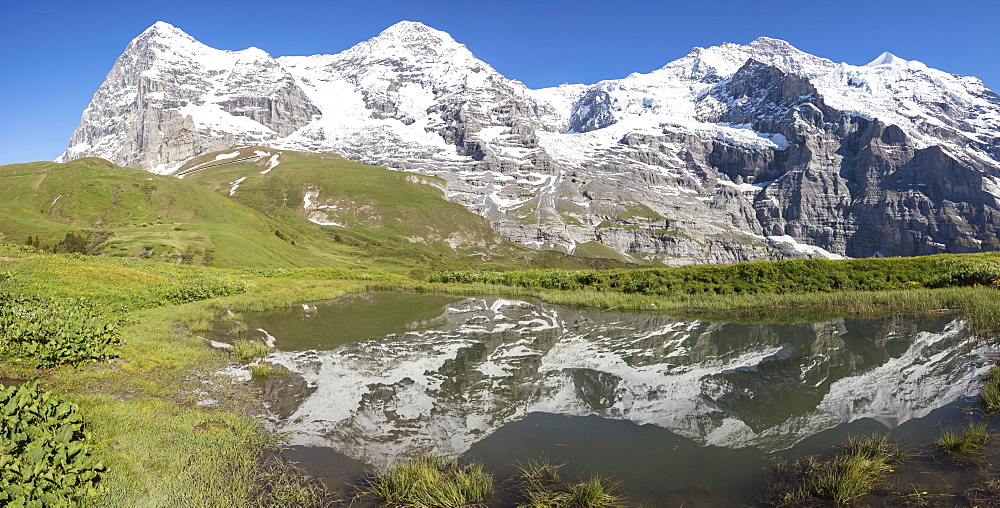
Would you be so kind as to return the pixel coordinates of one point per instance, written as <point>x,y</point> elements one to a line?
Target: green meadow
<point>110,277</point>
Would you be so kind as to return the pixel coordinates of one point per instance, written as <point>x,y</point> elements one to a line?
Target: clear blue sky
<point>56,53</point>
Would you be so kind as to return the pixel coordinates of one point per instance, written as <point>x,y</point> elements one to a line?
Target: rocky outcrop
<point>735,152</point>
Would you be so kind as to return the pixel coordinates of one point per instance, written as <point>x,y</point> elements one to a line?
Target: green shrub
<point>202,289</point>
<point>46,460</point>
<point>774,277</point>
<point>962,272</point>
<point>49,332</point>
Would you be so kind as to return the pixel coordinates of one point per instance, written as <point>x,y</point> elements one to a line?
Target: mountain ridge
<point>705,159</point>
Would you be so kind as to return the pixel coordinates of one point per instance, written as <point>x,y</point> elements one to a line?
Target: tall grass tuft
<point>431,480</point>
<point>859,468</point>
<point>542,487</point>
<point>239,327</point>
<point>262,371</point>
<point>247,350</point>
<point>540,471</point>
<point>596,492</point>
<point>990,392</point>
<point>955,442</point>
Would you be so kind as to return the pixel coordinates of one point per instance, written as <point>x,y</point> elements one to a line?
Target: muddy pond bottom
<point>679,411</point>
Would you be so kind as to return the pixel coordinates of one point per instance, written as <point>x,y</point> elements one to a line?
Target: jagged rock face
<point>491,362</point>
<point>729,153</point>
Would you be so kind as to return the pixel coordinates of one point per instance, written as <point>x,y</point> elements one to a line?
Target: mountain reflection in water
<point>489,362</point>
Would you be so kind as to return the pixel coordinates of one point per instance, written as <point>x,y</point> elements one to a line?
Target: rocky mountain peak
<point>254,54</point>
<point>772,45</point>
<point>413,30</point>
<point>787,57</point>
<point>410,40</point>
<point>162,29</point>
<point>166,37</point>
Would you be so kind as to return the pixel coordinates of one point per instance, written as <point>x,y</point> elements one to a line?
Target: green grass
<point>599,250</point>
<point>543,487</point>
<point>391,221</point>
<point>159,447</point>
<point>541,471</point>
<point>757,277</point>
<point>128,212</point>
<point>158,453</point>
<point>248,351</point>
<point>431,481</point>
<point>597,492</point>
<point>388,215</point>
<point>239,327</point>
<point>990,392</point>
<point>859,468</point>
<point>144,397</point>
<point>261,371</point>
<point>962,442</point>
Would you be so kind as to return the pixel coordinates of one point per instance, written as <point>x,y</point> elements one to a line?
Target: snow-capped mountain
<point>729,153</point>
<point>491,362</point>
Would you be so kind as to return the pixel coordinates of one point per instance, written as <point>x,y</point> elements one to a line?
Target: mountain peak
<point>407,26</point>
<point>253,54</point>
<point>412,41</point>
<point>413,31</point>
<point>887,58</point>
<point>165,35</point>
<point>768,42</point>
<point>164,30</point>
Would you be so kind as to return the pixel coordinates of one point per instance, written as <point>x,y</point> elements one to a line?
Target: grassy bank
<point>142,393</point>
<point>143,403</point>
<point>755,277</point>
<point>978,304</point>
<point>762,291</point>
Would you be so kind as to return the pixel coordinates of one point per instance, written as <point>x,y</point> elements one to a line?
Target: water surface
<point>680,410</point>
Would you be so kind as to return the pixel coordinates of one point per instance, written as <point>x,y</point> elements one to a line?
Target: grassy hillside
<point>392,215</point>
<point>129,212</point>
<point>280,214</point>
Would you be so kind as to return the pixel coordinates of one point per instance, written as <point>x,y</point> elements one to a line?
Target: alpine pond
<point>675,408</point>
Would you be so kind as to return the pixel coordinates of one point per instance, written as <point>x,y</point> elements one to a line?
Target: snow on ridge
<point>991,184</point>
<point>667,93</point>
<point>411,95</point>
